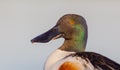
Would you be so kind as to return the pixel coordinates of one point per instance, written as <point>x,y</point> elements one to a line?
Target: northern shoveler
<point>72,55</point>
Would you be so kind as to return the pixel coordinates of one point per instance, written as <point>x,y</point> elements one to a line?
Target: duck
<point>71,55</point>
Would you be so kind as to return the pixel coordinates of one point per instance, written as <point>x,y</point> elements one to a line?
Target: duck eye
<point>72,22</point>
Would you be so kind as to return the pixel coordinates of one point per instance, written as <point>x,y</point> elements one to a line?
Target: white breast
<point>57,58</point>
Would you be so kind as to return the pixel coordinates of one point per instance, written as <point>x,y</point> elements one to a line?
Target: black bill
<point>53,33</point>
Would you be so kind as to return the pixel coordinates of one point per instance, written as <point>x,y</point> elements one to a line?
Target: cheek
<point>66,28</point>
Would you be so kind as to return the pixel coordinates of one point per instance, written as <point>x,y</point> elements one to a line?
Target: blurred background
<point>22,20</point>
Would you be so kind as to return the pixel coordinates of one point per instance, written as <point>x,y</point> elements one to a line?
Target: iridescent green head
<point>72,28</point>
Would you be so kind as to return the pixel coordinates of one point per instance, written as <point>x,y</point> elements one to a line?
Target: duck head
<point>72,28</point>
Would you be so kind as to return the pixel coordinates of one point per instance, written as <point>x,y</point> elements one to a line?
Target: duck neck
<point>73,45</point>
<point>77,43</point>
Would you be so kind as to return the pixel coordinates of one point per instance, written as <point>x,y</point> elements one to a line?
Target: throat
<point>73,46</point>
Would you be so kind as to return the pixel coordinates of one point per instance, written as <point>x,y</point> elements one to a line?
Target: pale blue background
<point>21,20</point>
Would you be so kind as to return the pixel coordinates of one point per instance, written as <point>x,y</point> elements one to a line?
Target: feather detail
<point>69,66</point>
<point>99,61</point>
